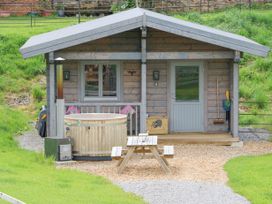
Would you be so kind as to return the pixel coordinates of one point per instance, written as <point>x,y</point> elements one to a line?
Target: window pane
<point>187,83</point>
<point>109,80</point>
<point>91,80</point>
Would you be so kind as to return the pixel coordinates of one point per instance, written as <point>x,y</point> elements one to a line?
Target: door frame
<point>171,89</point>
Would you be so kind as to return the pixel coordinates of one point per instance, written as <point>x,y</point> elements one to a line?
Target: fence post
<point>79,11</point>
<point>31,11</point>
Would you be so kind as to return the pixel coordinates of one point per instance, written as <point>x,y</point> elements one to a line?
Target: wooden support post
<point>60,118</point>
<point>51,105</point>
<point>160,160</point>
<point>60,100</point>
<point>143,78</point>
<point>235,96</point>
<point>126,159</point>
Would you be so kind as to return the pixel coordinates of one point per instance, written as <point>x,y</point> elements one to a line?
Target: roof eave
<point>153,20</point>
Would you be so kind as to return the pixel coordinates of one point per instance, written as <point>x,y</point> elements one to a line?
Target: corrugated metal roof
<point>131,19</point>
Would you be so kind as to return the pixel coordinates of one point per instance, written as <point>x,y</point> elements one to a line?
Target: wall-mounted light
<point>66,75</point>
<point>156,77</point>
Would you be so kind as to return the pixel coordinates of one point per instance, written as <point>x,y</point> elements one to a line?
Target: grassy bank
<point>251,177</point>
<point>31,178</point>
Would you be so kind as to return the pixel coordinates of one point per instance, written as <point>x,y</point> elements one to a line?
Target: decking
<point>198,138</point>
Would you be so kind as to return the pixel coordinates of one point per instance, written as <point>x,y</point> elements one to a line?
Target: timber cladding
<point>220,70</point>
<point>156,95</point>
<point>128,41</point>
<point>71,86</point>
<point>131,81</point>
<point>159,41</point>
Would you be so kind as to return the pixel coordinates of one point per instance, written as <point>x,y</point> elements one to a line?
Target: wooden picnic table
<point>148,144</point>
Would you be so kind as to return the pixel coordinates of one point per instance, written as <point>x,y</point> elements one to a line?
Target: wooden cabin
<point>156,64</point>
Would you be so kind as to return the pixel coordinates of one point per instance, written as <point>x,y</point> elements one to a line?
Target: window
<point>91,80</point>
<point>109,80</point>
<point>187,83</point>
<point>101,81</point>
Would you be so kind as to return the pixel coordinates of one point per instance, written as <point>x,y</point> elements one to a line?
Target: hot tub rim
<point>118,116</point>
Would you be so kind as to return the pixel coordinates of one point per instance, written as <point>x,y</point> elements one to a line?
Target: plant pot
<point>60,13</point>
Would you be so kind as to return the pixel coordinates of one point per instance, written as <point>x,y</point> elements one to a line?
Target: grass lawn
<point>251,176</point>
<point>31,178</point>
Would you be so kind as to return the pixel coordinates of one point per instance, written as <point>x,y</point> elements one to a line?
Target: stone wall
<point>103,7</point>
<point>17,7</point>
<point>195,5</point>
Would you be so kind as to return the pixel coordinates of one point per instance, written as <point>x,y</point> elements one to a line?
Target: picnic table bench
<point>142,144</point>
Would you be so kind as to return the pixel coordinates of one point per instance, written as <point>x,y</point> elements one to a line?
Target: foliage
<point>123,5</point>
<point>38,93</point>
<point>261,99</point>
<point>251,177</point>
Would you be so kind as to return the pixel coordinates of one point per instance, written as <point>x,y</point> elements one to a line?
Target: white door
<point>187,106</point>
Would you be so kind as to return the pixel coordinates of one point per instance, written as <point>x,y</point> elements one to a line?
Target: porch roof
<point>136,18</point>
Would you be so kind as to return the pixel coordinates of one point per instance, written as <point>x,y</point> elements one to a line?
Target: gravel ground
<point>254,134</point>
<point>191,162</point>
<point>176,192</point>
<point>197,174</point>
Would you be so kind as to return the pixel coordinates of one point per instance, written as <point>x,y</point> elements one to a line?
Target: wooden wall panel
<point>123,42</point>
<point>157,95</point>
<point>71,87</point>
<point>159,41</point>
<point>217,70</point>
<point>131,82</point>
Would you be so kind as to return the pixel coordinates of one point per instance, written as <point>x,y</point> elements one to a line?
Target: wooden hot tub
<point>94,134</point>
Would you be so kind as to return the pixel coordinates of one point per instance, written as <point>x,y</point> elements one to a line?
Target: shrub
<point>261,98</point>
<point>245,91</point>
<point>123,5</point>
<point>38,93</point>
<point>263,64</point>
<point>247,120</point>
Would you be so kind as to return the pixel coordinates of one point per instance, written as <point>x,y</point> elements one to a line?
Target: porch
<point>133,125</point>
<point>224,139</point>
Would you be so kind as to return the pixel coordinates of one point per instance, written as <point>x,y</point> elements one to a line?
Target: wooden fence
<point>265,119</point>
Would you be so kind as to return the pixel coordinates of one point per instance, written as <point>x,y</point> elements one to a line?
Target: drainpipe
<point>60,100</point>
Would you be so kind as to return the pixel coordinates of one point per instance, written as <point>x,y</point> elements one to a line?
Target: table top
<point>142,141</point>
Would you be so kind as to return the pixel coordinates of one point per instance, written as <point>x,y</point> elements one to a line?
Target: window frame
<point>100,96</point>
<point>199,78</point>
<point>201,66</point>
